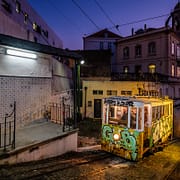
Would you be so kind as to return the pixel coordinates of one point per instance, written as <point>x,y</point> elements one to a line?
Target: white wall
<point>18,66</point>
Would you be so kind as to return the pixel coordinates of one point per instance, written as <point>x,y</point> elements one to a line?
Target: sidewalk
<point>37,131</point>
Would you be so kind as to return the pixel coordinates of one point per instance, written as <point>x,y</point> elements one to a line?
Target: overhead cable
<point>65,17</point>
<point>86,14</point>
<point>104,12</point>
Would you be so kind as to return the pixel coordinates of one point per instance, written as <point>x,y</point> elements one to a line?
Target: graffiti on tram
<point>126,141</point>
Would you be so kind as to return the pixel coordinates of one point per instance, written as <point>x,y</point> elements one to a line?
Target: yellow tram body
<point>133,125</point>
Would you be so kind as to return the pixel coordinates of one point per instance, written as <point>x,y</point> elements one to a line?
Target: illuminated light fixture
<point>82,62</point>
<point>116,137</point>
<point>21,53</point>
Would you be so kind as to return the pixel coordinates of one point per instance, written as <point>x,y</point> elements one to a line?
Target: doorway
<point>97,108</point>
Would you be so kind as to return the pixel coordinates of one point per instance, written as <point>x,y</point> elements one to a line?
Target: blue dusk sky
<point>71,20</point>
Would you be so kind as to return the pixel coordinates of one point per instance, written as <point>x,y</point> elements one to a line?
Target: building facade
<point>19,19</point>
<point>149,57</point>
<point>33,83</point>
<point>102,40</point>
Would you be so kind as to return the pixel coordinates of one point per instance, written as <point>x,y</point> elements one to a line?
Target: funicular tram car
<point>133,126</point>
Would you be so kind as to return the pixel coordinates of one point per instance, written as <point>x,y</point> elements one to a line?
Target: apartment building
<point>147,61</point>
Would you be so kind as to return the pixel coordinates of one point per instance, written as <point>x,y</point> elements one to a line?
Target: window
<point>125,69</point>
<point>126,52</point>
<point>36,28</point>
<point>152,68</point>
<point>101,45</point>
<point>18,7</point>
<point>138,50</point>
<point>173,70</point>
<point>112,92</point>
<point>25,18</point>
<point>178,71</point>
<point>6,6</point>
<point>178,52</point>
<point>152,48</point>
<point>89,103</point>
<point>35,39</point>
<point>109,45</point>
<point>106,35</point>
<point>45,33</point>
<point>129,93</point>
<point>97,92</point>
<point>172,48</point>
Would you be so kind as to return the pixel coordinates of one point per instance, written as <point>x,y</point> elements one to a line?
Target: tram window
<point>166,110</point>
<point>133,117</point>
<point>162,111</point>
<point>119,115</point>
<point>146,116</point>
<point>153,113</point>
<point>158,114</point>
<point>112,112</point>
<point>124,116</point>
<point>140,119</point>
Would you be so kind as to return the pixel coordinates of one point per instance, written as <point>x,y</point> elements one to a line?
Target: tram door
<point>97,108</point>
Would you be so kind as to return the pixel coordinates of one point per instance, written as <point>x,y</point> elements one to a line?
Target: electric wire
<point>85,14</point>
<point>107,16</point>
<point>141,20</point>
<point>59,11</point>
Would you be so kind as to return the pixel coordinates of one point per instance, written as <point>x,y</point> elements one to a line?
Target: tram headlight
<point>116,137</point>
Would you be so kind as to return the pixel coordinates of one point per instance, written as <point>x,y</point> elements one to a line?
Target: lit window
<point>138,51</point>
<point>178,71</point>
<point>125,69</point>
<point>152,68</point>
<point>152,48</point>
<point>172,48</point>
<point>172,70</point>
<point>36,28</point>
<point>126,52</point>
<point>25,18</point>
<point>18,7</point>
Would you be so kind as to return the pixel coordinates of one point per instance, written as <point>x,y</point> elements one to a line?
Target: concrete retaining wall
<point>46,149</point>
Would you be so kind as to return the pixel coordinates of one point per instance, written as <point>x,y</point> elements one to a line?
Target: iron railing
<point>8,129</point>
<point>153,77</point>
<point>61,113</point>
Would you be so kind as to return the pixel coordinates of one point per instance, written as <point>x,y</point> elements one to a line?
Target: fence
<point>8,129</point>
<point>61,113</point>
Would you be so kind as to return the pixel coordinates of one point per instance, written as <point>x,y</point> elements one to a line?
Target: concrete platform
<point>39,140</point>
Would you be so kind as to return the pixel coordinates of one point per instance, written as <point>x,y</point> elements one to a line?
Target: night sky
<point>73,19</point>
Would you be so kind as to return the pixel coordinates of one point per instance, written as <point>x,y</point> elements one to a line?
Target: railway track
<point>46,168</point>
<point>94,164</point>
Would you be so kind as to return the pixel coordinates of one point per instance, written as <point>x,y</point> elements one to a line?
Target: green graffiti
<point>127,140</point>
<point>107,133</point>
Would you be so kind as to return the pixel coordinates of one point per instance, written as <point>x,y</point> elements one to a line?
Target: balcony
<point>153,77</point>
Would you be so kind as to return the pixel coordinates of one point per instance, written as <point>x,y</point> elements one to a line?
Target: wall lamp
<point>21,53</point>
<point>82,62</point>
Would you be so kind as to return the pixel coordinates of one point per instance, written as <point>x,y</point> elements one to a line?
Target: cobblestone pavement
<point>159,166</point>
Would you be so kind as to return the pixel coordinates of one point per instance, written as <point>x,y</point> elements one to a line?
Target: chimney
<point>145,27</point>
<point>132,31</point>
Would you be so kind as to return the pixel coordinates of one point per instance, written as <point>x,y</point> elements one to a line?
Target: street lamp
<point>77,113</point>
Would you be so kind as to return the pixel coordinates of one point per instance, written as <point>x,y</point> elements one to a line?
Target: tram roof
<point>137,99</point>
